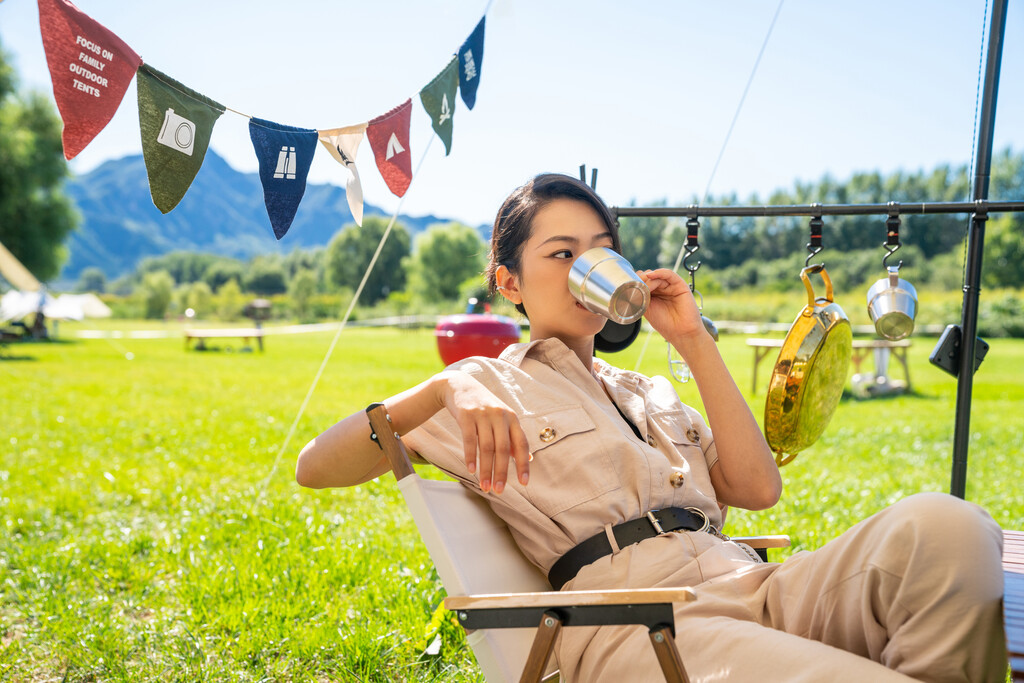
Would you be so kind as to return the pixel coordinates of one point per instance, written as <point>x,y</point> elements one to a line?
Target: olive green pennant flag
<point>438,98</point>
<point>176,124</point>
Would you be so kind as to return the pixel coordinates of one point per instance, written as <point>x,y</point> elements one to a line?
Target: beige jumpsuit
<point>912,591</point>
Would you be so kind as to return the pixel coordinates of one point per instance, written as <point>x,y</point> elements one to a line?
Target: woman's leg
<point>917,587</point>
<point>724,649</point>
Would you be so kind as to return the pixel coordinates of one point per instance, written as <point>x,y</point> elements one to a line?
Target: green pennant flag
<point>438,98</point>
<point>176,124</point>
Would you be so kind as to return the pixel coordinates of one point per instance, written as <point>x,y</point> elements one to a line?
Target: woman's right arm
<point>345,455</point>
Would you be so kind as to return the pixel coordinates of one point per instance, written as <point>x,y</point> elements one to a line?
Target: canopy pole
<point>975,247</point>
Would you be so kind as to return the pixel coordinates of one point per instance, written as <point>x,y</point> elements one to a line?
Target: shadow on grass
<point>4,358</point>
<point>849,395</point>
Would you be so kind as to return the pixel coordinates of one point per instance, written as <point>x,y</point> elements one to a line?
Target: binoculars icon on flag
<point>286,163</point>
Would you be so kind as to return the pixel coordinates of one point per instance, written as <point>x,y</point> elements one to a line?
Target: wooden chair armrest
<point>757,542</point>
<point>550,599</point>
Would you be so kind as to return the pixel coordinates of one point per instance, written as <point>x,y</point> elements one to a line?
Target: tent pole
<point>975,248</point>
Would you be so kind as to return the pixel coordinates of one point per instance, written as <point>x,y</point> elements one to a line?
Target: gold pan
<point>808,378</point>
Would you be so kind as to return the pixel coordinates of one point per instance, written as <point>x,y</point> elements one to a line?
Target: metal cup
<point>605,283</point>
<point>892,305</point>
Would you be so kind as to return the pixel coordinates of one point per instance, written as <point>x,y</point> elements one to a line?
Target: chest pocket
<point>681,432</point>
<point>570,464</point>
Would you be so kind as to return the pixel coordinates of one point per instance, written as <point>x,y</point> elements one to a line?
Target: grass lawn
<point>151,529</point>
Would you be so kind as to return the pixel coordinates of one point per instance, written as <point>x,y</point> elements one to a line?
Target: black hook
<point>692,246</point>
<point>814,246</point>
<point>583,174</point>
<point>892,239</point>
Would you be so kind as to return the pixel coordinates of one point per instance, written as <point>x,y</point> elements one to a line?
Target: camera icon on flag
<point>177,133</point>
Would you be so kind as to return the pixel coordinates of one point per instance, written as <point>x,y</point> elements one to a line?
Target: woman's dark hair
<point>514,222</point>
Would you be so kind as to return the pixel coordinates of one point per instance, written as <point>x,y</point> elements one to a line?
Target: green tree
<point>230,301</point>
<point>445,256</point>
<point>35,215</point>
<point>92,279</point>
<point>222,271</point>
<point>183,266</point>
<point>265,276</point>
<point>157,289</point>
<point>200,298</point>
<point>350,251</point>
<point>641,238</point>
<point>305,259</point>
<point>300,291</point>
<point>1004,251</point>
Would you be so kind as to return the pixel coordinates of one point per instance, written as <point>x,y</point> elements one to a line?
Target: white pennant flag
<point>343,143</point>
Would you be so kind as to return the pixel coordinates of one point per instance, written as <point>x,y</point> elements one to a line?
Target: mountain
<point>222,213</point>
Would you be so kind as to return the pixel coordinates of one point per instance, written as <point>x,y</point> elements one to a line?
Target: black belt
<point>656,522</point>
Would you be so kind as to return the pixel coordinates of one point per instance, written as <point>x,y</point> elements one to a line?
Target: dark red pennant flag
<point>90,68</point>
<point>389,139</point>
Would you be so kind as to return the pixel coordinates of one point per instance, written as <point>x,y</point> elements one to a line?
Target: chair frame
<point>550,611</point>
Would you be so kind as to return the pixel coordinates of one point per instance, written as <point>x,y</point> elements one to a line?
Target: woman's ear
<point>508,285</point>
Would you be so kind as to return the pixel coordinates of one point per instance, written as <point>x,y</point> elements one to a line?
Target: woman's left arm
<point>746,475</point>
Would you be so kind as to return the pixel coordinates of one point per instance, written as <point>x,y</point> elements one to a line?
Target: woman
<point>575,454</point>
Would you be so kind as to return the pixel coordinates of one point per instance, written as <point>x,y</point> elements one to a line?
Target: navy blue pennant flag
<point>285,155</point>
<point>471,59</point>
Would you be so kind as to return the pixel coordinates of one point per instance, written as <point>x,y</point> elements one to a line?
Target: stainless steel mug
<point>892,305</point>
<point>604,282</point>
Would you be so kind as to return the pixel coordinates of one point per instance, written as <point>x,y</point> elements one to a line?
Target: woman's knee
<point>947,515</point>
<point>960,529</point>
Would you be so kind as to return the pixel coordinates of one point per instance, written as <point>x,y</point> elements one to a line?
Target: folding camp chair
<point>495,592</point>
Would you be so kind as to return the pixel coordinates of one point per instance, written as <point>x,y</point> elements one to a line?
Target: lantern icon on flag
<point>286,163</point>
<point>177,133</point>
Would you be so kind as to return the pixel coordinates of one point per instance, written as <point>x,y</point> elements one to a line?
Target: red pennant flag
<point>389,140</point>
<point>90,68</point>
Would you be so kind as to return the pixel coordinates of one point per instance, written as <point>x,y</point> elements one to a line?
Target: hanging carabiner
<point>692,247</point>
<point>892,238</point>
<point>814,246</point>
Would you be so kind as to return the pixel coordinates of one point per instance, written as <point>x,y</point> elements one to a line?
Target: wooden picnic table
<point>244,333</point>
<point>1013,600</point>
<point>861,349</point>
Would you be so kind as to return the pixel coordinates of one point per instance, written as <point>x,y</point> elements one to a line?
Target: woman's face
<point>561,231</point>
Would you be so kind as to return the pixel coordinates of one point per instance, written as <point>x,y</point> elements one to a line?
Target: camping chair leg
<point>668,655</point>
<point>540,651</point>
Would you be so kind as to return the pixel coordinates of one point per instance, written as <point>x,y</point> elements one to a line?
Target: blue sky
<point>645,91</point>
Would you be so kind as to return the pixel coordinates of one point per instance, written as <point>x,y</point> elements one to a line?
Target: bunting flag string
<point>389,140</point>
<point>176,124</point>
<point>91,69</point>
<point>438,98</point>
<point>343,143</point>
<point>471,60</point>
<point>285,155</point>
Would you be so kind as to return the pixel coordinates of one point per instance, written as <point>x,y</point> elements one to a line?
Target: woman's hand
<point>745,475</point>
<point>491,433</point>
<point>673,311</point>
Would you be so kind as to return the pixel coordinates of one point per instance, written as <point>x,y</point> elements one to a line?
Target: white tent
<point>16,305</point>
<point>89,304</point>
<point>32,296</point>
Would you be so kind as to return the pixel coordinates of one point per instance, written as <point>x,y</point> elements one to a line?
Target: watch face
<point>616,337</point>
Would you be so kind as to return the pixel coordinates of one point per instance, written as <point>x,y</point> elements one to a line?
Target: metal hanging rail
<point>980,207</point>
<point>979,210</point>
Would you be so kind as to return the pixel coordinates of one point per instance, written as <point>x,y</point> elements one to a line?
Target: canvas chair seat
<point>474,554</point>
<point>484,572</point>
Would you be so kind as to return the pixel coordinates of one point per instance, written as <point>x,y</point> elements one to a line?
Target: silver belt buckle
<point>654,522</point>
<point>698,511</point>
